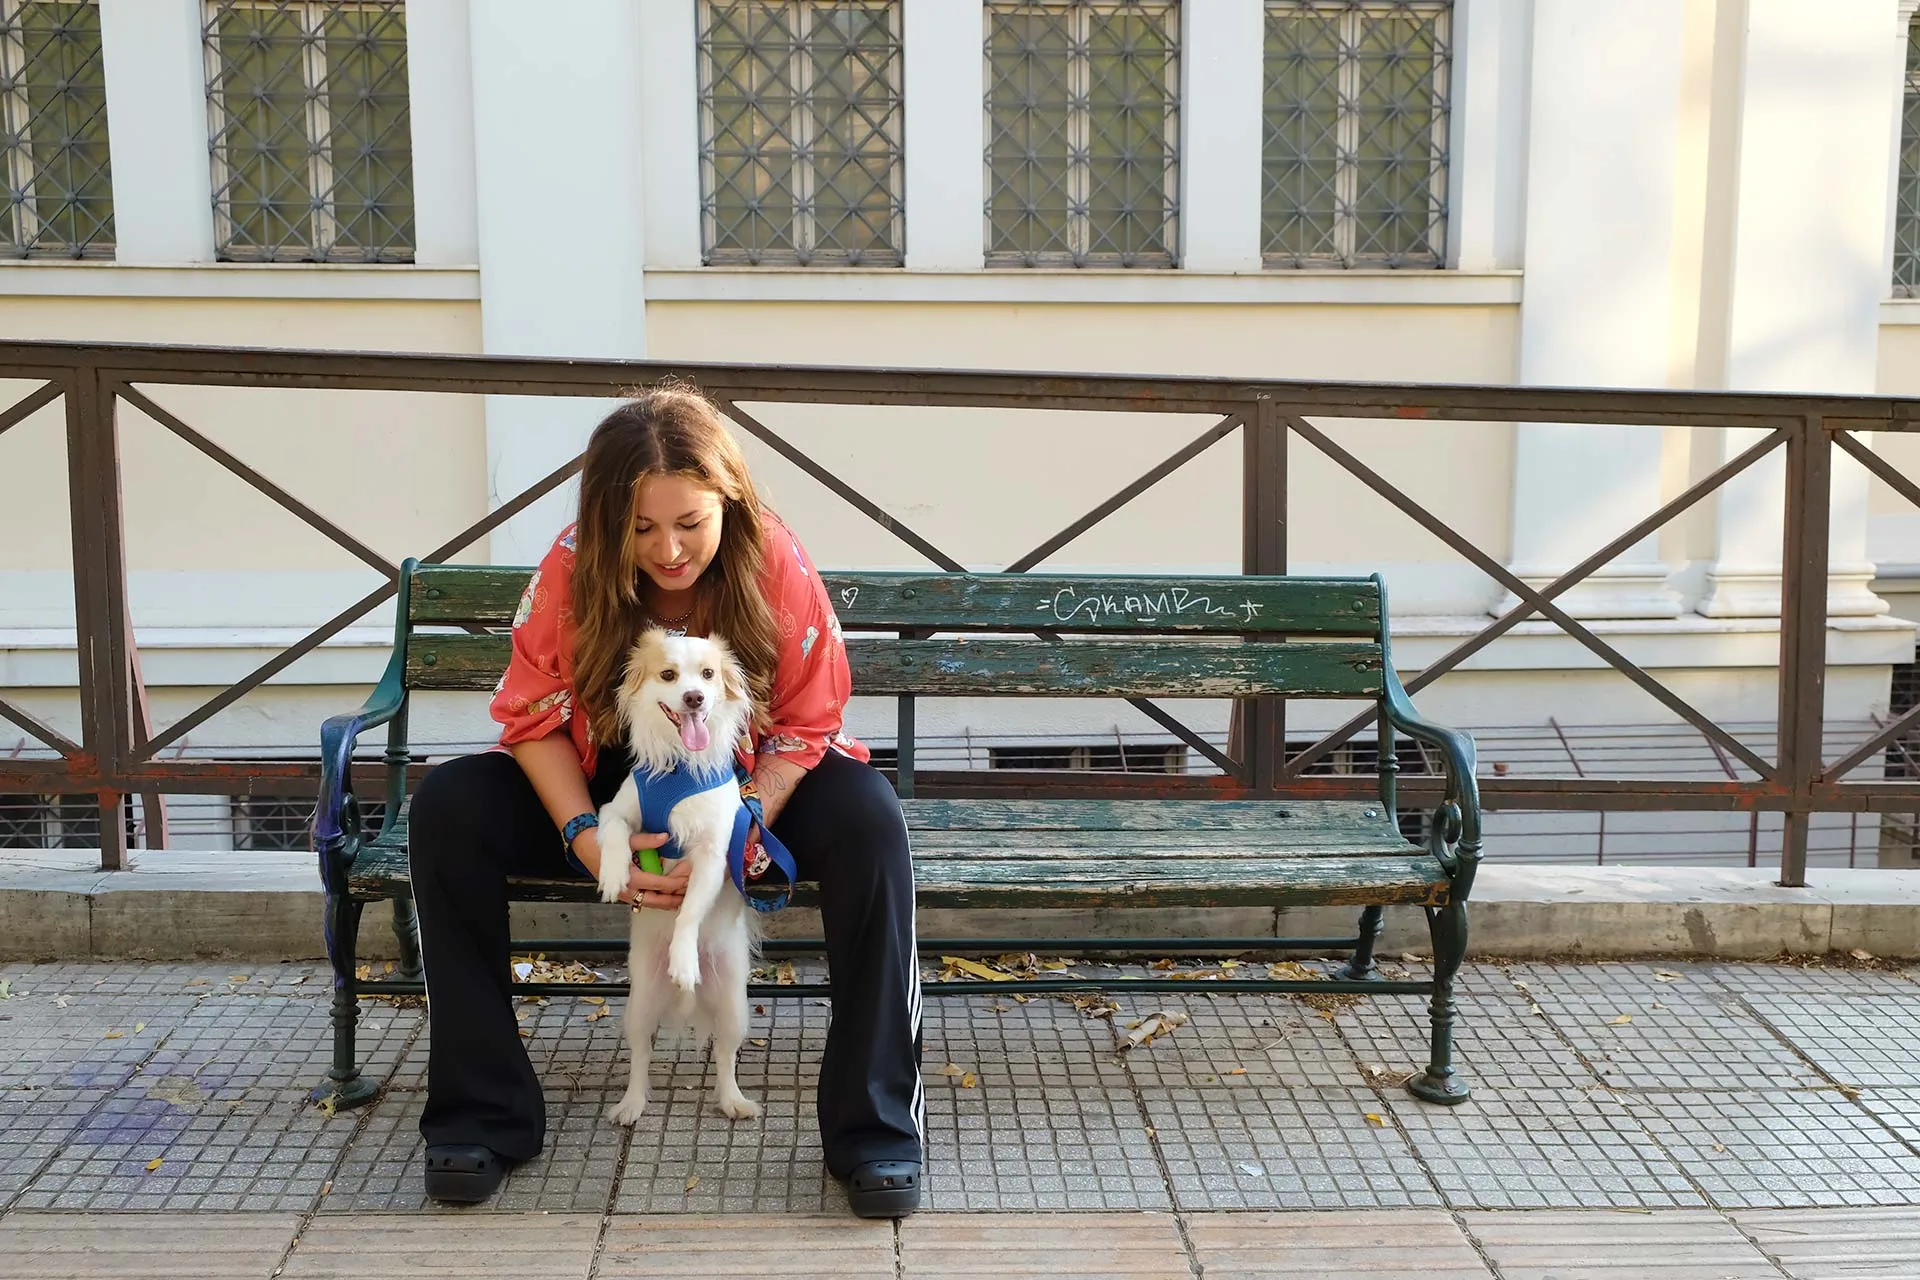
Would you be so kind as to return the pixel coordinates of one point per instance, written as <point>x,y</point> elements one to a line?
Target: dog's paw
<point>683,968</point>
<point>738,1106</point>
<point>628,1110</point>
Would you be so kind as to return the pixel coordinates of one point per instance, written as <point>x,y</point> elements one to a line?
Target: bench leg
<point>1360,965</point>
<point>344,1083</point>
<point>1438,1083</point>
<point>406,930</point>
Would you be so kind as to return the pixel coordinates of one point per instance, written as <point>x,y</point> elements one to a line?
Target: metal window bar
<point>801,133</point>
<point>1357,99</point>
<point>53,104</point>
<point>310,130</point>
<point>1906,221</point>
<point>1083,130</point>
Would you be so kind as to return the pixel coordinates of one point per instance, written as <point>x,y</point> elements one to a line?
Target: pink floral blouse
<point>810,685</point>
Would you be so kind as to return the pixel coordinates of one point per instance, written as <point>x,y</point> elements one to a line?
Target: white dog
<point>685,704</point>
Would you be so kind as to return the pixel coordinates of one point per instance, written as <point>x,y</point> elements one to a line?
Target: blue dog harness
<point>659,792</point>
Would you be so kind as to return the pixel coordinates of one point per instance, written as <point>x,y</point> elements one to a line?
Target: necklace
<point>679,621</point>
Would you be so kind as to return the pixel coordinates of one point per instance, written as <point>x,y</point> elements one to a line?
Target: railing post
<point>1803,635</point>
<point>1263,549</point>
<point>103,631</point>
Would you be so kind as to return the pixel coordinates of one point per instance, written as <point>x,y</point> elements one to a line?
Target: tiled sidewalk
<point>1704,1120</point>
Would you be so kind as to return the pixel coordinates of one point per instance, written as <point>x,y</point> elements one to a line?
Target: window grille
<point>272,822</point>
<point>1355,155</point>
<point>1083,131</point>
<point>312,151</point>
<point>1906,222</point>
<point>800,133</point>
<point>54,822</point>
<point>59,194</point>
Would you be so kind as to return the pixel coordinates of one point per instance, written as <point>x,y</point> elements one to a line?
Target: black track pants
<point>476,820</point>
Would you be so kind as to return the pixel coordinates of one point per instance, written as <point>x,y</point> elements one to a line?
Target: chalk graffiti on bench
<point>1174,602</point>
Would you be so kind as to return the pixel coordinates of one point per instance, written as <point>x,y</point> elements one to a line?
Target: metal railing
<point>119,753</point>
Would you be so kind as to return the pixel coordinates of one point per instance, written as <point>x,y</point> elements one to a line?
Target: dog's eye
<point>669,675</point>
<point>707,674</point>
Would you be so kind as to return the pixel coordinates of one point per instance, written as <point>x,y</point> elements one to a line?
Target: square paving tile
<point>685,1157</point>
<point>1232,1145</point>
<point>1015,1142</point>
<point>1787,1150</point>
<point>82,1041</point>
<point>381,1171</point>
<point>833,1246</point>
<point>233,1046</point>
<point>141,1152</point>
<point>34,1125</point>
<point>1272,1041</point>
<point>1812,979</point>
<point>1640,1032</point>
<point>1541,1149</point>
<point>1861,1039</point>
<point>1501,1039</point>
<point>1897,1109</point>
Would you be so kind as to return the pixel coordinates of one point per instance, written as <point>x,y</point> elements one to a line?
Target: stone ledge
<point>57,904</point>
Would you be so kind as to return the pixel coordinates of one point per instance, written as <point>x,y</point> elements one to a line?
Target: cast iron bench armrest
<point>1454,837</point>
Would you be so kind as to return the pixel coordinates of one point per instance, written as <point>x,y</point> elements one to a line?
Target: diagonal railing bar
<point>46,733</point>
<point>1565,582</point>
<point>1146,706</point>
<point>307,514</point>
<point>29,405</point>
<point>1200,444</point>
<point>506,511</point>
<point>1879,466</point>
<point>340,621</point>
<point>1529,597</point>
<point>1845,764</point>
<point>859,501</point>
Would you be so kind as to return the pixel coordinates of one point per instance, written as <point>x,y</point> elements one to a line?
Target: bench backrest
<point>1022,634</point>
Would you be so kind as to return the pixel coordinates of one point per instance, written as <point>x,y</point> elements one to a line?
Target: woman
<point>670,533</point>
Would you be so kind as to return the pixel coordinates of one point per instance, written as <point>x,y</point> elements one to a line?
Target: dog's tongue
<point>693,730</point>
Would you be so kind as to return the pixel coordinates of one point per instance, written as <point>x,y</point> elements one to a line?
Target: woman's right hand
<point>643,889</point>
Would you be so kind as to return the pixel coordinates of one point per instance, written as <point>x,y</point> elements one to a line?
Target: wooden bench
<point>985,635</point>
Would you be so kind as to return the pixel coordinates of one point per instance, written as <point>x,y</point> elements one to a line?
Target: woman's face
<point>676,529</point>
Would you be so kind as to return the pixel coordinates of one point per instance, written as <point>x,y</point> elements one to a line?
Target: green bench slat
<point>1299,816</point>
<point>447,594</point>
<point>1033,668</point>
<point>1317,852</point>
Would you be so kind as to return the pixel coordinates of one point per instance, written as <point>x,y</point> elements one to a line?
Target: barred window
<point>59,194</point>
<point>800,132</point>
<point>1355,157</point>
<point>265,822</point>
<point>312,151</point>
<point>1906,222</point>
<point>1083,132</point>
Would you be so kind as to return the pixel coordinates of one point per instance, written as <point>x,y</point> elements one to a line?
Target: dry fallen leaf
<point>138,1027</point>
<point>526,1034</point>
<point>593,999</point>
<point>598,1014</point>
<point>1377,1120</point>
<point>1859,954</point>
<point>114,1035</point>
<point>326,1188</point>
<point>1665,975</point>
<point>242,977</point>
<point>951,1070</point>
<point>1146,1030</point>
<point>6,988</point>
<point>1851,1092</point>
<point>1020,999</point>
<point>974,968</point>
<point>761,1043</point>
<point>969,1080</point>
<point>1238,1071</point>
<point>784,975</point>
<point>1719,1146</point>
<point>693,1181</point>
<point>154,1163</point>
<point>1152,1132</point>
<point>330,1105</point>
<point>59,1002</point>
<point>1620,1021</point>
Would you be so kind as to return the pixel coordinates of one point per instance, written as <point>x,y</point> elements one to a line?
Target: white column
<point>670,132</point>
<point>943,51</point>
<point>1603,125</point>
<point>1819,109</point>
<point>440,92</point>
<point>157,130</point>
<point>556,129</point>
<point>1487,138</point>
<point>1220,154</point>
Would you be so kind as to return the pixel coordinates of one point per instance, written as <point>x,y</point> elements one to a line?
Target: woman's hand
<point>643,889</point>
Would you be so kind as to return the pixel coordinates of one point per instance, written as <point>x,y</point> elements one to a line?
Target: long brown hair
<point>668,430</point>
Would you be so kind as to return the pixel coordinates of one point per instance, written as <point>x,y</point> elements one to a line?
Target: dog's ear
<point>734,679</point>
